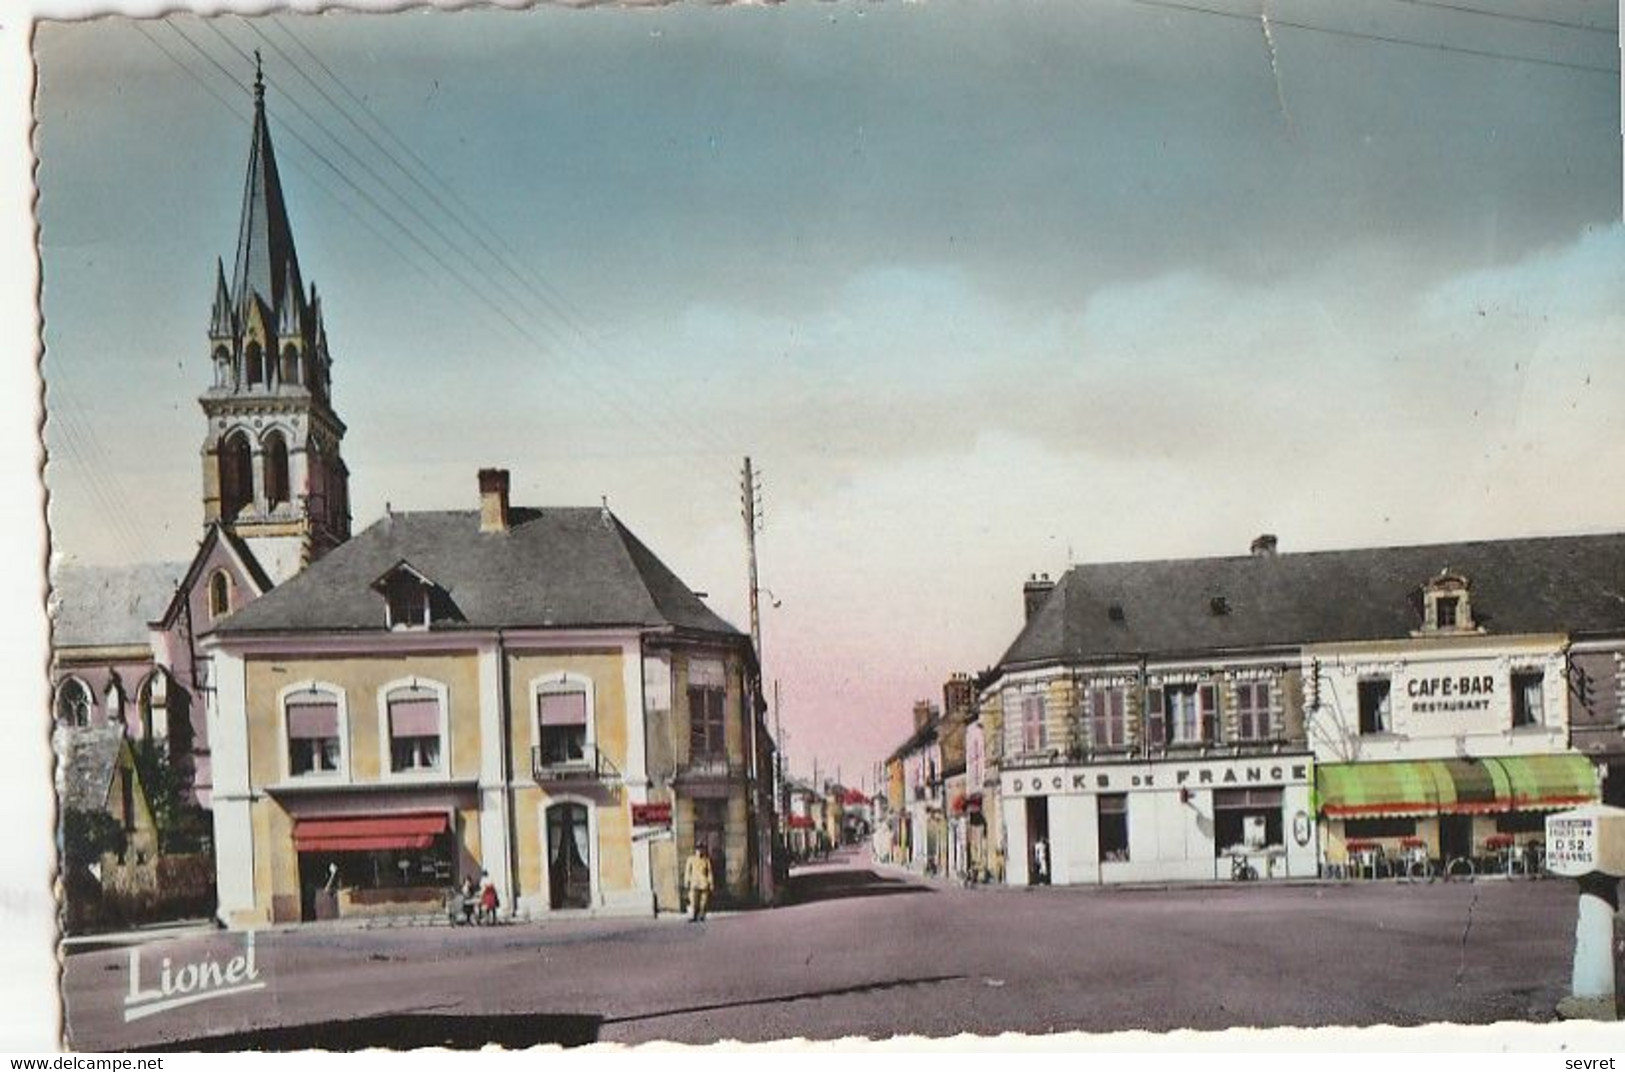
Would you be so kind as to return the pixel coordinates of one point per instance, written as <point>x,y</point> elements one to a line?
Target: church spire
<point>266,263</point>
<point>273,468</point>
<point>222,324</point>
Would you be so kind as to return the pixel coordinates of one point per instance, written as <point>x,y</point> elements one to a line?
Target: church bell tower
<point>273,474</point>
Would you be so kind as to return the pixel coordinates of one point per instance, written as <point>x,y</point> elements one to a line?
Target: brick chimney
<point>1264,546</point>
<point>924,712</point>
<point>493,500</point>
<point>1035,592</point>
<point>958,694</point>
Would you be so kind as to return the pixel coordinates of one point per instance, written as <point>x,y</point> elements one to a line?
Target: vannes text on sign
<point>1586,840</point>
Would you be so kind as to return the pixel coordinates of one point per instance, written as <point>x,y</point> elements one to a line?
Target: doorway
<point>1455,837</point>
<point>569,857</point>
<point>1039,860</point>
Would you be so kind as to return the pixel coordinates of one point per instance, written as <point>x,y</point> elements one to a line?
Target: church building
<point>275,498</point>
<point>525,692</point>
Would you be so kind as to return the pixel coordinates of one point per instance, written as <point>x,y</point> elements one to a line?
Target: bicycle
<point>1241,870</point>
<point>1417,867</point>
<point>1460,867</point>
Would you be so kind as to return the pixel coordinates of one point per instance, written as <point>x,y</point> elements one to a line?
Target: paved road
<point>868,951</point>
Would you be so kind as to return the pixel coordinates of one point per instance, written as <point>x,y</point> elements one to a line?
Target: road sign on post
<point>1588,845</point>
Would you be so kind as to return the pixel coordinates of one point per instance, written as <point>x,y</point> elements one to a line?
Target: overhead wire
<point>1276,21</point>
<point>1508,16</point>
<point>613,401</point>
<point>519,329</point>
<point>314,179</point>
<point>672,427</point>
<point>465,215</point>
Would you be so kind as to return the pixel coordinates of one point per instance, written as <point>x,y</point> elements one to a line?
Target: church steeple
<point>267,267</point>
<point>272,468</point>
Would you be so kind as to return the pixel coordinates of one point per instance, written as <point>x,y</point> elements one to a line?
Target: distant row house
<point>1292,715</point>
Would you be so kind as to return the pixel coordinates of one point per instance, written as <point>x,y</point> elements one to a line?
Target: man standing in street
<point>697,880</point>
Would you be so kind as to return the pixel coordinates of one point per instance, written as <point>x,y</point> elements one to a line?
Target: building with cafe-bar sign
<point>1281,715</point>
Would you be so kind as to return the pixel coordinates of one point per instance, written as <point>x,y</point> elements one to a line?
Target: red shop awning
<point>363,833</point>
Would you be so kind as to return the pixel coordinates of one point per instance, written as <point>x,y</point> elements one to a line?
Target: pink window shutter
<point>414,718</point>
<point>564,709</point>
<point>308,721</point>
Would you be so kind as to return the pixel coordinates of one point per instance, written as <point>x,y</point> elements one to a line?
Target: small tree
<point>86,837</point>
<point>182,827</point>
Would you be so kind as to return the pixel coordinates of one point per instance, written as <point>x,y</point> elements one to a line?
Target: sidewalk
<point>949,883</point>
<point>87,943</point>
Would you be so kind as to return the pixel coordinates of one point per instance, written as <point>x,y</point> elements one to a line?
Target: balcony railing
<point>711,768</point>
<point>590,767</point>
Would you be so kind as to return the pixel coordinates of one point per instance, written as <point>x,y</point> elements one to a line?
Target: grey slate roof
<point>109,606</point>
<point>88,758</point>
<point>1568,584</point>
<point>559,567</point>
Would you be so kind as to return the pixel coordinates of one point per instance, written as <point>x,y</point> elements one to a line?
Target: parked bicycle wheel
<point>1461,868</point>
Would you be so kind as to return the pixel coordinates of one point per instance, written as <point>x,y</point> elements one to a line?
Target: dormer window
<point>408,605</point>
<point>1447,605</point>
<point>409,597</point>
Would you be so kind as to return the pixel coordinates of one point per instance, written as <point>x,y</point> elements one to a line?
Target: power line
<point>1509,17</point>
<point>671,425</point>
<point>1173,5</point>
<point>468,219</point>
<point>615,402</point>
<point>435,257</point>
<point>321,185</point>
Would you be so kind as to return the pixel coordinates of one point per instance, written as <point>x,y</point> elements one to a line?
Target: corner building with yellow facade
<point>527,694</point>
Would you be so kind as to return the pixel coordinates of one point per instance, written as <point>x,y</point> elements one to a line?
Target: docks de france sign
<point>1162,775</point>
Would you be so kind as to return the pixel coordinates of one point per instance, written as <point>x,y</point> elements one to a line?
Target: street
<point>865,950</point>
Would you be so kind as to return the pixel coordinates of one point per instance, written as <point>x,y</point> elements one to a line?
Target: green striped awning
<point>1455,786</point>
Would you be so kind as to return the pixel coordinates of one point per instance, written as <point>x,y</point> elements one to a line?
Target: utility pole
<point>750,486</point>
<point>781,784</point>
<point>751,513</point>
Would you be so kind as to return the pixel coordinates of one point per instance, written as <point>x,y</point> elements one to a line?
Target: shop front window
<point>1113,832</point>
<point>1371,829</point>
<point>1246,820</point>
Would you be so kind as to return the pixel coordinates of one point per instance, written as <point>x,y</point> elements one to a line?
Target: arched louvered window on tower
<point>275,450</point>
<point>236,475</point>
<point>256,364</point>
<point>290,365</point>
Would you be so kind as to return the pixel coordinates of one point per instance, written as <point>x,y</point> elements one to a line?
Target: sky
<point>983,290</point>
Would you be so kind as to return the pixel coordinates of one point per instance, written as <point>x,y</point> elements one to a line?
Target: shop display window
<point>1113,809</point>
